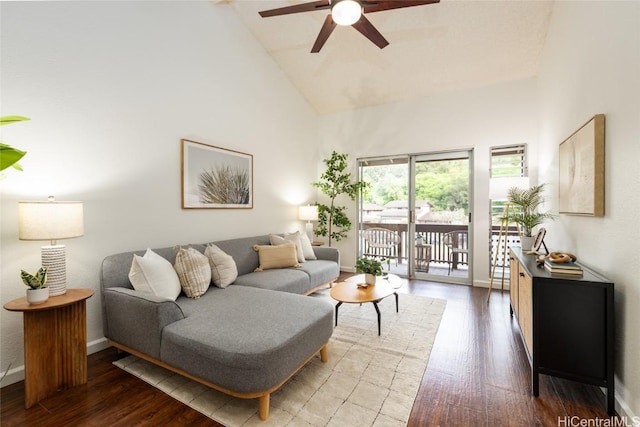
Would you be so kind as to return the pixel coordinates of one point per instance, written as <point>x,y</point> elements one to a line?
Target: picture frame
<point>581,170</point>
<point>215,177</point>
<point>539,240</point>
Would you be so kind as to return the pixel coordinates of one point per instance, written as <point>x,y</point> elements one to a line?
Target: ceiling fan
<point>347,12</point>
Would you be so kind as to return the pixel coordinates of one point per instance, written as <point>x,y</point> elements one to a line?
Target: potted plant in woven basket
<point>37,291</point>
<point>371,268</point>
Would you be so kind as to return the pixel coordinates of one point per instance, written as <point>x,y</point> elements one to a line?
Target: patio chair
<point>456,243</point>
<point>381,243</point>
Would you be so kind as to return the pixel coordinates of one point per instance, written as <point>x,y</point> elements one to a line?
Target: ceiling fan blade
<point>377,6</point>
<point>297,8</point>
<point>325,32</point>
<point>369,31</point>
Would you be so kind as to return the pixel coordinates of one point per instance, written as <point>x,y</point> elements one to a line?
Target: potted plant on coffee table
<point>371,268</point>
<point>38,291</point>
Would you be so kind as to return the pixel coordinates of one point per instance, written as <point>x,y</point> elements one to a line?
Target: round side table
<point>55,343</point>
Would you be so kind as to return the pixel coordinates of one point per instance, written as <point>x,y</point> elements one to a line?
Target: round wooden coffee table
<point>349,292</point>
<point>391,279</point>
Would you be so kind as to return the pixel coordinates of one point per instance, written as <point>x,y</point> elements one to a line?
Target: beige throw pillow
<point>279,256</point>
<point>307,247</point>
<point>223,267</point>
<point>290,237</point>
<point>153,273</point>
<point>193,271</point>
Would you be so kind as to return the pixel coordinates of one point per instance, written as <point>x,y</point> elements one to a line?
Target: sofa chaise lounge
<point>245,340</point>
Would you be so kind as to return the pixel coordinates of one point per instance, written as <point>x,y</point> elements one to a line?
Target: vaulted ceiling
<point>448,46</point>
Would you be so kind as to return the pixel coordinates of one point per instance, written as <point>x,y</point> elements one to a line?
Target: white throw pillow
<point>193,271</point>
<point>290,237</point>
<point>307,247</point>
<point>223,268</point>
<point>154,274</point>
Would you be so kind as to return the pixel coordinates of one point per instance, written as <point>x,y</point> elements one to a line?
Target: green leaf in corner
<point>9,156</point>
<point>7,120</point>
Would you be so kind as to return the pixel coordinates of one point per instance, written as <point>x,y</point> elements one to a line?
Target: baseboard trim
<point>622,407</point>
<point>97,345</point>
<point>13,376</point>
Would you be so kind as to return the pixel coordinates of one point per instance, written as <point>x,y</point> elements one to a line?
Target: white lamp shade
<point>346,12</point>
<point>499,187</point>
<point>50,220</point>
<point>308,213</point>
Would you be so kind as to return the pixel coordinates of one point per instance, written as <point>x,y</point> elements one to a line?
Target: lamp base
<point>309,229</point>
<point>54,257</point>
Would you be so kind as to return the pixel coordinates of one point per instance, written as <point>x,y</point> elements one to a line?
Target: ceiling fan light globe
<point>346,12</point>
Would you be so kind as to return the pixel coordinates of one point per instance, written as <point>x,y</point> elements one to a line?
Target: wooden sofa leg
<point>264,406</point>
<point>323,354</point>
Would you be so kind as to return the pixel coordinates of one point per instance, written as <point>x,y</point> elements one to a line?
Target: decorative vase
<point>526,242</point>
<point>37,296</point>
<point>369,279</point>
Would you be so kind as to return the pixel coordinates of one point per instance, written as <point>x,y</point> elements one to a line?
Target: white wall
<point>111,88</point>
<point>591,65</point>
<point>496,115</point>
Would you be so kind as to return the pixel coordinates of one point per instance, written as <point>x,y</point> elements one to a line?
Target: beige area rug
<point>369,380</point>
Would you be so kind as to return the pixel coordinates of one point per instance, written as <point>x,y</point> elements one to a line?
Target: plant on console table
<point>371,268</point>
<point>38,291</point>
<point>526,203</point>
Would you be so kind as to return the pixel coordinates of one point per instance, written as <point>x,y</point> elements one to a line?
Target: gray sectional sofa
<point>245,340</point>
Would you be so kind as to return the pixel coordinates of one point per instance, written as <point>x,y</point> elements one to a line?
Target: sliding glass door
<point>384,212</point>
<point>443,216</point>
<point>417,214</point>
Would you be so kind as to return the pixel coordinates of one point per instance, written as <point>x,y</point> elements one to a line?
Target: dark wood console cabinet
<point>566,323</point>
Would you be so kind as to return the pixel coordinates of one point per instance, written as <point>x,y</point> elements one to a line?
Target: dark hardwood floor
<point>478,375</point>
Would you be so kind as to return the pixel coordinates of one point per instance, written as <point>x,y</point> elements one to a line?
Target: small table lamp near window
<point>308,213</point>
<point>52,221</point>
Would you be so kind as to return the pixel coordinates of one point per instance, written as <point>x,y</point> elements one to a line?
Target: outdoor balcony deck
<point>441,257</point>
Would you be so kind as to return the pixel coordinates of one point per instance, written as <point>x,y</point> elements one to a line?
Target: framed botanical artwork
<point>215,178</point>
<point>581,167</point>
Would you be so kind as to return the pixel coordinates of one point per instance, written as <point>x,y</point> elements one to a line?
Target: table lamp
<point>51,221</point>
<point>308,213</point>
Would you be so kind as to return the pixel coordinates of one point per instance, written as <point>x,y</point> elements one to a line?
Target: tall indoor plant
<point>333,221</point>
<point>525,204</point>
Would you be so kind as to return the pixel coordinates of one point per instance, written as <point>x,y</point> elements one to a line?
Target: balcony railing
<point>433,234</point>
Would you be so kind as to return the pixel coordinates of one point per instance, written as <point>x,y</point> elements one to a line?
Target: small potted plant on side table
<point>371,268</point>
<point>38,291</point>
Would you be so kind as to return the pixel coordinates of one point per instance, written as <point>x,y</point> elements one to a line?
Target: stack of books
<point>562,267</point>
